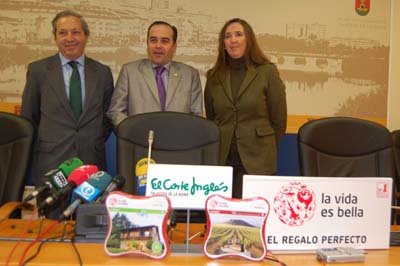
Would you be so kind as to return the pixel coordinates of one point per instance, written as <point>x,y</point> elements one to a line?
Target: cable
<point>42,218</point>
<point>274,259</point>
<point>23,235</point>
<point>44,242</point>
<point>48,229</point>
<point>62,238</point>
<point>63,235</point>
<point>76,251</point>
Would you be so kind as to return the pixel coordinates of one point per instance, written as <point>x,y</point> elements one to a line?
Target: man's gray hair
<point>70,13</point>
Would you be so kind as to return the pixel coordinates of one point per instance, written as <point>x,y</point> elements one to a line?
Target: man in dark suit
<point>66,96</point>
<point>137,90</point>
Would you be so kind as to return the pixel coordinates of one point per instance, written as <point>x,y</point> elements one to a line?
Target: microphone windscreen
<point>91,189</point>
<point>141,167</point>
<point>82,173</point>
<point>117,183</point>
<point>58,179</point>
<point>100,180</point>
<point>69,165</point>
<point>141,176</point>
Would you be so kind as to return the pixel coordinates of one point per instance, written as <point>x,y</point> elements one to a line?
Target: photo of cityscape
<point>334,61</point>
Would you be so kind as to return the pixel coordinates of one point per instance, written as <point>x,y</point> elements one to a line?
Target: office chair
<point>396,148</point>
<point>179,138</point>
<point>345,147</point>
<point>16,139</point>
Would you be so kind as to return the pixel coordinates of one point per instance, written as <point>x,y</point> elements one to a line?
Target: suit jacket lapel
<point>56,79</point>
<point>90,85</point>
<point>250,75</point>
<point>149,76</point>
<point>225,80</point>
<point>174,78</point>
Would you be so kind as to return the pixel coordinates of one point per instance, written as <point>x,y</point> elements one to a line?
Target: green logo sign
<point>193,187</point>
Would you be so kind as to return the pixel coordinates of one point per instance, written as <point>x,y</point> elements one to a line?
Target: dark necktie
<point>75,92</point>
<point>160,86</point>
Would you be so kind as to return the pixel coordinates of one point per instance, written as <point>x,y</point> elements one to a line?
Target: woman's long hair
<point>253,54</point>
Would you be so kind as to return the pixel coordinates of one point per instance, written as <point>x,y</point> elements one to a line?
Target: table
<point>57,253</point>
<point>93,254</point>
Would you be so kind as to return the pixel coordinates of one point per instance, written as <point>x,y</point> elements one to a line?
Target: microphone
<point>141,175</point>
<point>117,183</point>
<point>58,177</point>
<point>47,185</point>
<point>77,177</point>
<point>88,191</point>
<point>141,168</point>
<point>150,140</point>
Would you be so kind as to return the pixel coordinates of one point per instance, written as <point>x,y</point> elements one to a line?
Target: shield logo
<point>362,7</point>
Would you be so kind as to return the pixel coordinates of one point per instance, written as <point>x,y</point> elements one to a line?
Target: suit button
<point>235,123</point>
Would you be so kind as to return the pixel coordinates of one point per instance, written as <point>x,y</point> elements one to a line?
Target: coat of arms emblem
<point>362,7</point>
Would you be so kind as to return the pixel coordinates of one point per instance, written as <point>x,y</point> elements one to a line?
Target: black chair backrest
<point>396,148</point>
<point>16,137</point>
<point>345,147</point>
<point>179,138</point>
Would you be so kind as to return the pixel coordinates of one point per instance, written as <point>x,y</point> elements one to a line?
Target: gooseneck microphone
<point>77,177</point>
<point>58,177</point>
<point>150,140</point>
<point>87,192</point>
<point>117,183</point>
<point>141,168</point>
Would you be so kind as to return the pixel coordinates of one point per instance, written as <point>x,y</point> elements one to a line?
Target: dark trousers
<point>238,170</point>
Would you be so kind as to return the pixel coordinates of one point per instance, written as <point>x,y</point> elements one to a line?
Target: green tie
<point>75,93</point>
